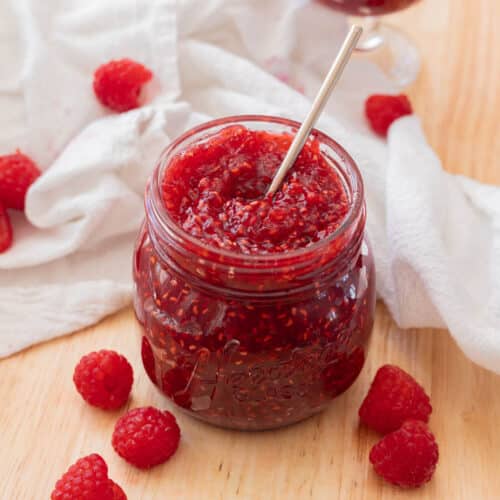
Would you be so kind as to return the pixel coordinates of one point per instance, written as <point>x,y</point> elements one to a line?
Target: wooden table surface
<point>45,426</point>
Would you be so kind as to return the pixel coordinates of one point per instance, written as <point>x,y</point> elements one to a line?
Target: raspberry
<point>118,493</point>
<point>6,236</point>
<point>175,384</point>
<point>17,174</point>
<point>146,437</point>
<point>382,110</point>
<point>148,359</point>
<point>104,379</point>
<point>87,479</point>
<point>394,397</point>
<point>117,84</point>
<point>406,457</point>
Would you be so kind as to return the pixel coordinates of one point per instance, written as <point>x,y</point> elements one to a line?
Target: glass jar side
<point>248,364</point>
<point>254,342</point>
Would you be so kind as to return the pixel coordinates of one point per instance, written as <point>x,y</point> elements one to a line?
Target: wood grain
<point>45,426</point>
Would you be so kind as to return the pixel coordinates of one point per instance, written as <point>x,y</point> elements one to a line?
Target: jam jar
<point>242,330</point>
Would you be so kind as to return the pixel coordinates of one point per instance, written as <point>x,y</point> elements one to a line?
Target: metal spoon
<point>319,103</point>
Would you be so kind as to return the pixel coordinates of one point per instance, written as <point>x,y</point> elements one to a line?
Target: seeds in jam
<point>240,344</point>
<point>216,191</point>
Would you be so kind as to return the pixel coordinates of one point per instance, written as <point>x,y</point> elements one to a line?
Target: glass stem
<point>371,38</point>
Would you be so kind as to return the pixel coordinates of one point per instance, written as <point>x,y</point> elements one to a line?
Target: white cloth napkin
<point>436,236</point>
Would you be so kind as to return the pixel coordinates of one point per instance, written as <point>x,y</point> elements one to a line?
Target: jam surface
<point>243,356</point>
<point>216,192</point>
<point>368,7</point>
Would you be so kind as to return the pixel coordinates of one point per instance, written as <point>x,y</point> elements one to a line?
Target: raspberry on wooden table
<point>104,379</point>
<point>118,493</point>
<point>175,384</point>
<point>17,174</point>
<point>394,397</point>
<point>146,437</point>
<point>406,457</point>
<point>383,110</point>
<point>118,84</point>
<point>6,236</point>
<point>148,359</point>
<point>87,479</point>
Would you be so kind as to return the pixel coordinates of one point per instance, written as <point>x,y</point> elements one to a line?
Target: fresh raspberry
<point>146,437</point>
<point>406,457</point>
<point>382,110</point>
<point>117,84</point>
<point>87,479</point>
<point>6,236</point>
<point>175,383</point>
<point>118,493</point>
<point>394,397</point>
<point>17,174</point>
<point>148,359</point>
<point>104,379</point>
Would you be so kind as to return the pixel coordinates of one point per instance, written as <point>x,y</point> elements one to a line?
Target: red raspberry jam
<point>369,7</point>
<point>256,311</point>
<point>216,191</point>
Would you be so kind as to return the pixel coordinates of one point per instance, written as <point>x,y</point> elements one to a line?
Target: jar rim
<point>170,226</point>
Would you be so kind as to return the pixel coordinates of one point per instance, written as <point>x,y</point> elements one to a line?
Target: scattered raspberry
<point>17,174</point>
<point>6,236</point>
<point>104,379</point>
<point>382,110</point>
<point>394,397</point>
<point>118,493</point>
<point>148,359</point>
<point>175,384</point>
<point>408,456</point>
<point>117,84</point>
<point>87,479</point>
<point>146,437</point>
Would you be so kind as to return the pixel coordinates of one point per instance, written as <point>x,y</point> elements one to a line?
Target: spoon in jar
<point>319,103</point>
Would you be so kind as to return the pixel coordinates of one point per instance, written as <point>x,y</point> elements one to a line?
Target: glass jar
<point>253,341</point>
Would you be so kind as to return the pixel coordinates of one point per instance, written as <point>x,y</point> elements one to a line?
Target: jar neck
<point>245,276</point>
<point>257,275</point>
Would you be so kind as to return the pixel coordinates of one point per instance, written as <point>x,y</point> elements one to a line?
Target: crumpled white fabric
<point>436,237</point>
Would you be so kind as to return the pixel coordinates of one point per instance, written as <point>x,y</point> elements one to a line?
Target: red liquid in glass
<point>368,7</point>
<point>253,347</point>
